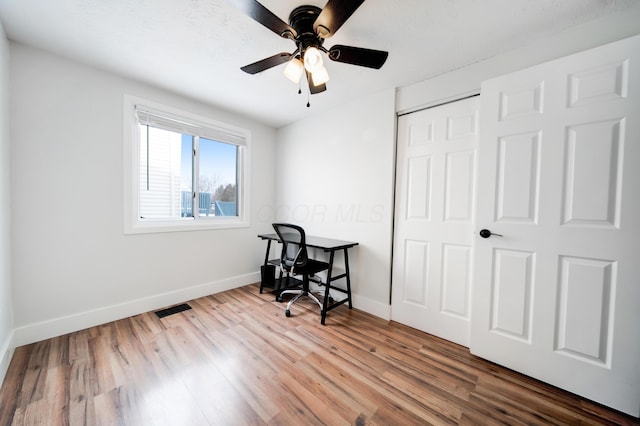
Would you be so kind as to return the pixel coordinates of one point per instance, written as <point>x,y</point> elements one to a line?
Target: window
<point>184,171</point>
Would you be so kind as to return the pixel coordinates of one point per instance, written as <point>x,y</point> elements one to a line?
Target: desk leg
<point>325,303</point>
<point>346,267</point>
<point>266,255</point>
<point>266,263</point>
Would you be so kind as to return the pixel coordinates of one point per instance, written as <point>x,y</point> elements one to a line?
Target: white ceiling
<point>196,47</point>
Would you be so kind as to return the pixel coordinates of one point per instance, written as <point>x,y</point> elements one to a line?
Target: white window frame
<point>133,223</point>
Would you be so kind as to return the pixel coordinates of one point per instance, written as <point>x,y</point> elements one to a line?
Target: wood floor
<point>235,359</point>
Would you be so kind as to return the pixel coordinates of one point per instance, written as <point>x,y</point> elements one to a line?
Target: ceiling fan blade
<point>315,89</point>
<point>266,63</point>
<point>264,16</point>
<point>334,14</point>
<point>358,56</point>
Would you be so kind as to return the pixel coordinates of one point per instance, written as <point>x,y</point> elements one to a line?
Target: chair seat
<point>313,266</point>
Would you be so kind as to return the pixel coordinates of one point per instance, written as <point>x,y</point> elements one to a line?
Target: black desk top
<point>326,244</point>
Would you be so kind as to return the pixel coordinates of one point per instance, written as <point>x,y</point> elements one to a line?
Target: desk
<point>330,246</point>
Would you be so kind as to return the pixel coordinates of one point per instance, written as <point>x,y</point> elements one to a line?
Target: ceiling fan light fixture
<point>320,76</point>
<point>308,28</point>
<point>312,59</point>
<point>293,70</point>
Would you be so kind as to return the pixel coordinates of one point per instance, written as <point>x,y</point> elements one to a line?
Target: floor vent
<point>172,310</point>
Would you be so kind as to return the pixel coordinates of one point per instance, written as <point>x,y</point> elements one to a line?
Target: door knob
<point>485,233</point>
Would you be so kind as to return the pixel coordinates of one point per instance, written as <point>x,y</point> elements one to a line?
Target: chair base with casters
<point>304,291</point>
<point>298,295</point>
<point>294,260</point>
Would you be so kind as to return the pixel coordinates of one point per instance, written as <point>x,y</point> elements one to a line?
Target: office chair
<point>294,260</point>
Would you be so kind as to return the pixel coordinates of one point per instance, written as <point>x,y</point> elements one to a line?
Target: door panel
<point>433,235</point>
<point>511,305</point>
<point>456,276</point>
<point>589,281</point>
<point>593,173</point>
<point>416,265</point>
<point>419,187</point>
<point>518,177</point>
<point>556,297</point>
<point>459,186</point>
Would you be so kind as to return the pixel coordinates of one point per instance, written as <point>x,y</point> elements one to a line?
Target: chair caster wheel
<point>287,313</point>
<point>278,298</point>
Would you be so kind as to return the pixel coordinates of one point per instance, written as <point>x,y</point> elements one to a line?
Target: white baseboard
<point>6,353</point>
<point>370,306</point>
<point>74,322</point>
<point>381,310</point>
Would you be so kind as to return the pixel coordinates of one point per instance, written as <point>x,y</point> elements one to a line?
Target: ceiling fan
<point>308,27</point>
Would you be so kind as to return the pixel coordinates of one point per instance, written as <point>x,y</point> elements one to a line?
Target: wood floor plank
<point>216,397</point>
<point>310,396</point>
<point>11,390</point>
<point>235,359</point>
<point>102,379</point>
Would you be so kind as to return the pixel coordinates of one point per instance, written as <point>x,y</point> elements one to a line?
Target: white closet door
<point>433,231</point>
<point>557,297</point>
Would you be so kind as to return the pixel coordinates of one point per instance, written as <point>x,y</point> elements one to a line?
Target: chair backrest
<point>294,246</point>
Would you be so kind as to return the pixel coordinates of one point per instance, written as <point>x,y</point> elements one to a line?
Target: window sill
<point>151,226</point>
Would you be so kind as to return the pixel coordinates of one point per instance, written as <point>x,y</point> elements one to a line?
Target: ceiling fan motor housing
<point>302,19</point>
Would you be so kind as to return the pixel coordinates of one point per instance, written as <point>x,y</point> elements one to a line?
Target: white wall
<point>335,178</point>
<point>72,265</point>
<point>6,305</point>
